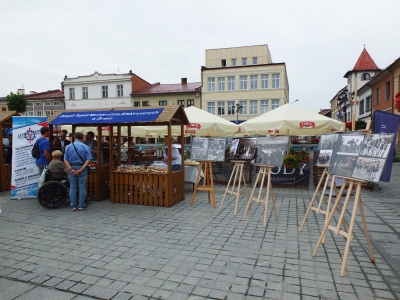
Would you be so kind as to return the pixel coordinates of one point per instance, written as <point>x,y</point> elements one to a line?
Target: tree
<point>17,102</point>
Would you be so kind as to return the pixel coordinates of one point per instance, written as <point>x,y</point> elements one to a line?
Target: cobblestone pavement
<point>117,251</point>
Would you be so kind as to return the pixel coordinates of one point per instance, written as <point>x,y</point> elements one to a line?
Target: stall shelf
<point>143,188</point>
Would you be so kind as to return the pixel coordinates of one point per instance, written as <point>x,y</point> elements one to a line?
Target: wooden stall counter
<point>98,183</point>
<point>147,188</point>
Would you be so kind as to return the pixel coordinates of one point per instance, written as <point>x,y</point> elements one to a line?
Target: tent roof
<point>6,117</point>
<point>172,113</point>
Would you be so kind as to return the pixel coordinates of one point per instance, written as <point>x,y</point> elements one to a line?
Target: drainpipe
<point>392,91</point>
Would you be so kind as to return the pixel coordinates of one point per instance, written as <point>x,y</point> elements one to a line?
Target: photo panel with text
<point>245,149</point>
<point>208,149</point>
<point>271,151</point>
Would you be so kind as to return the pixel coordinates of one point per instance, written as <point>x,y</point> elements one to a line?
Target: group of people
<point>367,169</point>
<point>377,146</point>
<point>324,158</point>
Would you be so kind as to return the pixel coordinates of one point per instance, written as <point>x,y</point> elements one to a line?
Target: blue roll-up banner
<point>385,122</point>
<point>108,116</point>
<point>24,172</point>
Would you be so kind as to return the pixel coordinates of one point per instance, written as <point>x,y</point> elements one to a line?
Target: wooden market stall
<point>132,186</point>
<point>5,166</point>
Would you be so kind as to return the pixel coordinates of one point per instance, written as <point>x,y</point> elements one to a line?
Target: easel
<point>264,170</point>
<point>349,234</point>
<point>208,181</point>
<point>237,174</point>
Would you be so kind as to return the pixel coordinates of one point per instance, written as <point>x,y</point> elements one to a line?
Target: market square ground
<point>119,251</point>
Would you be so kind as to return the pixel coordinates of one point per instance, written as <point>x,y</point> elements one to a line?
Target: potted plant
<point>397,101</point>
<point>293,158</point>
<point>295,141</point>
<point>315,140</point>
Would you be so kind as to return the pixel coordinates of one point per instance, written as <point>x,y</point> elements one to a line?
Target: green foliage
<point>17,102</point>
<point>361,124</point>
<point>396,158</point>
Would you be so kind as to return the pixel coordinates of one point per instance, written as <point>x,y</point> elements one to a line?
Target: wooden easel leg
<point>206,180</point>
<point>321,237</point>
<point>346,202</point>
<point>273,197</point>
<point>197,184</point>
<point>321,199</point>
<point>227,187</point>
<point>366,232</point>
<point>240,169</point>
<point>333,178</point>
<point>245,184</point>
<point>266,199</point>
<point>211,178</point>
<point>252,193</point>
<point>351,227</point>
<point>313,199</point>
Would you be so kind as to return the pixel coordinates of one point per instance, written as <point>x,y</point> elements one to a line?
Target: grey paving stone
<point>44,293</point>
<point>12,289</point>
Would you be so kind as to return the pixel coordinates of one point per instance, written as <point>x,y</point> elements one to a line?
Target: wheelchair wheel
<point>52,194</point>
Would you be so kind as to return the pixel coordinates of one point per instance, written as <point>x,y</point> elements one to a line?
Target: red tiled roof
<point>365,62</point>
<point>45,95</point>
<point>158,88</point>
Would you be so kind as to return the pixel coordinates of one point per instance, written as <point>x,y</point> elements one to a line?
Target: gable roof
<point>158,88</point>
<point>53,94</point>
<point>364,63</point>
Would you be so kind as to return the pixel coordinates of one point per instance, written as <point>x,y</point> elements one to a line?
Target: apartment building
<point>241,83</point>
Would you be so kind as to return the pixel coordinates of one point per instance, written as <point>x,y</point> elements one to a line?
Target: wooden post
<point>208,181</point>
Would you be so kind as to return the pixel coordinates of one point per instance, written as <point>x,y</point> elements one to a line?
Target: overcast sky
<point>164,40</point>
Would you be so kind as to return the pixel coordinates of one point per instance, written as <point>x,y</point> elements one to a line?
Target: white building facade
<point>97,91</point>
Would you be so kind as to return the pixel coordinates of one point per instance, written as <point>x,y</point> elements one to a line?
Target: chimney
<point>32,92</point>
<point>184,80</point>
<point>21,92</point>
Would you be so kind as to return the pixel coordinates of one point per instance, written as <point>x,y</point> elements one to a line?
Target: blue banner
<point>385,122</point>
<point>109,117</point>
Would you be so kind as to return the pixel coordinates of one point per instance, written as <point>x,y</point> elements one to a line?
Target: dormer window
<point>365,76</point>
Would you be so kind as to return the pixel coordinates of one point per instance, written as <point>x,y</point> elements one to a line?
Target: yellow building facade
<point>243,77</point>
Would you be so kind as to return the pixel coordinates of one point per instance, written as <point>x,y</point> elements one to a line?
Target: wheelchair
<point>54,192</point>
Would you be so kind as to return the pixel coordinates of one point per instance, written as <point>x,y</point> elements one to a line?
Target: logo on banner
<point>307,124</point>
<point>272,131</point>
<point>30,135</point>
<point>383,128</point>
<point>194,125</point>
<point>190,130</point>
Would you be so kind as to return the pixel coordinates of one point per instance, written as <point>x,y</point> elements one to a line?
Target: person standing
<point>64,141</point>
<point>105,149</point>
<point>77,157</point>
<point>44,149</point>
<point>91,143</point>
<point>176,160</point>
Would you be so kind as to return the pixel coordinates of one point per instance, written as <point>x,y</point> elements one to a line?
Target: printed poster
<point>24,173</point>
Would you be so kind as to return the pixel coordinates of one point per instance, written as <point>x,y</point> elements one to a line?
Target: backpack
<point>35,150</point>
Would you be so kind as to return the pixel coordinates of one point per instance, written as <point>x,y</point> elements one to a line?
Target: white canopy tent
<point>289,119</point>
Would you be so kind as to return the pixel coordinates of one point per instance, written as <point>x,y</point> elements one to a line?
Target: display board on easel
<point>243,149</point>
<point>326,145</point>
<point>208,149</point>
<point>271,151</point>
<point>361,156</point>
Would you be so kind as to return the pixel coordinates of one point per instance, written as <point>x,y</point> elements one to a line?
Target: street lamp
<point>294,101</point>
<point>238,109</point>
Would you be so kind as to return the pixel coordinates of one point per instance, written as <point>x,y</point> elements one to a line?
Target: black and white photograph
<point>271,151</point>
<point>324,157</point>
<point>199,154</point>
<point>369,169</point>
<point>377,145</point>
<point>217,144</point>
<point>328,141</point>
<point>234,146</point>
<point>200,143</point>
<point>245,150</point>
<point>214,154</point>
<point>208,149</point>
<point>343,165</point>
<point>350,144</point>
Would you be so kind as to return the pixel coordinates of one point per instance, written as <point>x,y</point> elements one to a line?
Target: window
<point>47,113</point>
<point>162,103</point>
<point>136,104</point>
<point>231,83</point>
<point>368,103</point>
<point>223,62</point>
<point>30,104</point>
<point>243,82</point>
<point>104,91</point>
<point>255,59</point>
<point>211,107</point>
<point>221,83</point>
<point>231,107</point>
<point>47,103</point>
<point>264,81</point>
<point>253,82</point>
<point>211,84</point>
<point>387,91</point>
<point>275,81</point>
<point>85,93</point>
<point>145,103</point>
<point>181,103</point>
<point>361,107</point>
<point>190,102</point>
<point>244,105</point>
<point>39,113</point>
<point>120,90</point>
<point>244,61</point>
<point>38,103</point>
<point>365,76</point>
<point>264,106</point>
<point>221,108</point>
<point>71,93</point>
<point>4,109</point>
<point>275,103</point>
<point>56,103</point>
<point>30,113</point>
<point>377,96</point>
<point>233,61</point>
<point>54,111</point>
<point>253,107</point>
